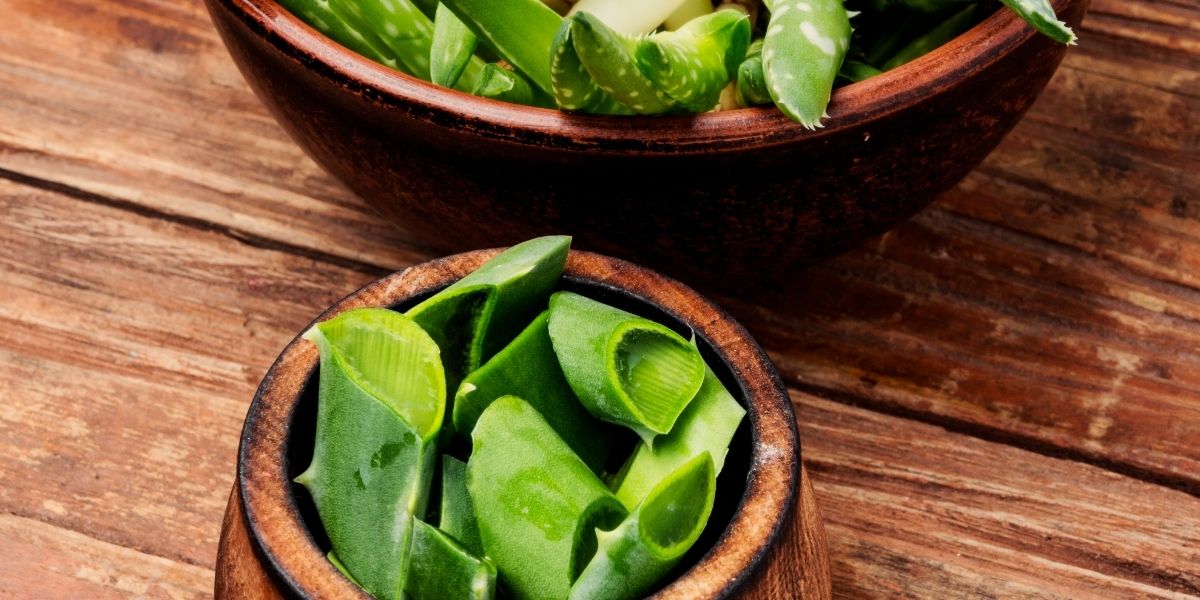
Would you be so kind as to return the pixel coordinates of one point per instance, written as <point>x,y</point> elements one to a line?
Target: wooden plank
<point>914,511</point>
<point>43,561</point>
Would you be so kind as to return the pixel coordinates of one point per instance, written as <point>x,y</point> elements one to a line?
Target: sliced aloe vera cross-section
<point>707,425</point>
<point>625,369</point>
<point>633,558</point>
<point>442,569</point>
<point>527,368</point>
<point>381,398</point>
<point>537,503</point>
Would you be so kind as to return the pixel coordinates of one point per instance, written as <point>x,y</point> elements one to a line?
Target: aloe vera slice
<point>707,425</point>
<point>624,369</point>
<point>479,314</point>
<point>803,49</point>
<point>609,58</point>
<point>321,16</point>
<point>944,32</point>
<point>520,31</point>
<point>452,47</point>
<point>528,368</point>
<point>1040,14</point>
<point>694,63</point>
<point>400,24</point>
<point>629,17</point>
<point>381,399</point>
<point>537,503</point>
<point>441,569</point>
<point>458,515</point>
<point>634,557</point>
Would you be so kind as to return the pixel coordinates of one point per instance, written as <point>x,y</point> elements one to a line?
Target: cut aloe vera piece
<point>693,64</point>
<point>520,31</point>
<point>452,47</point>
<point>479,314</point>
<point>321,16</point>
<point>609,58</point>
<point>934,38</point>
<point>625,369</point>
<point>400,24</point>
<point>537,503</point>
<point>442,569</point>
<point>381,399</point>
<point>1040,14</point>
<point>803,49</point>
<point>458,515</point>
<point>634,557</point>
<point>629,17</point>
<point>707,425</point>
<point>528,368</point>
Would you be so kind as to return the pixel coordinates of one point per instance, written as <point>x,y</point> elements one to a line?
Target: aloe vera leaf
<point>400,24</point>
<point>628,17</point>
<point>479,314</point>
<point>381,398</point>
<point>457,514</point>
<point>854,71</point>
<point>1040,14</point>
<point>634,557</point>
<point>573,86</point>
<point>752,83</point>
<point>520,31</point>
<point>609,58</point>
<point>690,9</point>
<point>337,563</point>
<point>694,63</point>
<point>707,425</point>
<point>944,32</point>
<point>624,369</point>
<point>528,368</point>
<point>802,52</point>
<point>452,47</point>
<point>537,503</point>
<point>440,568</point>
<point>320,15</point>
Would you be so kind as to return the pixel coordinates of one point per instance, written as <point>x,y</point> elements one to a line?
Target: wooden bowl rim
<point>725,131</point>
<point>287,550</point>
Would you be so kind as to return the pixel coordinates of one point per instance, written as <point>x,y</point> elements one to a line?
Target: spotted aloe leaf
<point>320,14</point>
<point>381,400</point>
<point>803,49</point>
<point>451,49</point>
<point>707,425</point>
<point>633,558</point>
<point>529,369</point>
<point>629,17</point>
<point>609,57</point>
<point>520,31</point>
<point>440,568</point>
<point>939,35</point>
<point>537,503</point>
<point>1040,14</point>
<point>694,63</point>
<point>625,369</point>
<point>574,88</point>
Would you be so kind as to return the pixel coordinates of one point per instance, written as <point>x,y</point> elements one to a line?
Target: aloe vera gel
<point>507,439</point>
<point>625,57</point>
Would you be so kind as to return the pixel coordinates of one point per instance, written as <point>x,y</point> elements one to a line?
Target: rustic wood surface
<point>999,399</point>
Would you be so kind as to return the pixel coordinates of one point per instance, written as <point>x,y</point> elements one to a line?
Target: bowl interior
<point>731,484</point>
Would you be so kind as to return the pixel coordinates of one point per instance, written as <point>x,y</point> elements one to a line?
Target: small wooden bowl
<point>752,546</point>
<point>731,198</point>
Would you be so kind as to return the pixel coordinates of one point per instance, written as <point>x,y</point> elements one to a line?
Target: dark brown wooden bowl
<point>729,199</point>
<point>756,544</point>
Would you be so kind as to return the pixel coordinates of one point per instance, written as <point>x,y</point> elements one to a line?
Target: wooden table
<point>999,399</point>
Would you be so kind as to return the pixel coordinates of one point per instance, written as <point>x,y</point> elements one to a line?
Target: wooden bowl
<point>271,543</point>
<point>729,199</point>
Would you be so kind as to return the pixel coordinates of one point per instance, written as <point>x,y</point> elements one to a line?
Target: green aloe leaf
<point>634,557</point>
<point>1040,14</point>
<point>442,569</point>
<point>399,24</point>
<point>458,515</point>
<point>751,82</point>
<point>609,58</point>
<point>574,88</point>
<point>320,14</point>
<point>694,63</point>
<point>381,398</point>
<point>944,32</point>
<point>337,563</point>
<point>803,49</point>
<point>537,503</point>
<point>853,71</point>
<point>625,369</point>
<point>529,369</point>
<point>520,31</point>
<point>706,426</point>
<point>481,313</point>
<point>452,47</point>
